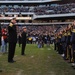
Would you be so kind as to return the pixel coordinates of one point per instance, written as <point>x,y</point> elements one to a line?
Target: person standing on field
<point>23,40</point>
<point>12,31</point>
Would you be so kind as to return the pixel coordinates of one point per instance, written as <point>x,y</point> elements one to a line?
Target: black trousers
<point>73,48</point>
<point>60,49</point>
<point>11,51</point>
<point>23,48</point>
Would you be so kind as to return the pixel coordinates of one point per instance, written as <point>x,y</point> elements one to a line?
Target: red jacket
<point>4,34</point>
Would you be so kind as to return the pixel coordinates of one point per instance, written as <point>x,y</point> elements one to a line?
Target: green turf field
<point>43,61</point>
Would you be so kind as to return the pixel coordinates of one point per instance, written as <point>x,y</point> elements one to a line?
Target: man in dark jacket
<point>12,40</point>
<point>23,41</point>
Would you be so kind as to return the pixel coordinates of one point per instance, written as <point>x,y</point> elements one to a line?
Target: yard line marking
<point>32,56</point>
<point>38,72</point>
<point>20,72</point>
<point>48,56</point>
<point>1,55</point>
<point>15,56</point>
<point>52,73</point>
<point>48,49</point>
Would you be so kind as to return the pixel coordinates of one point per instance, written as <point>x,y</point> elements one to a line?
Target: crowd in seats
<point>40,30</point>
<point>57,9</point>
<point>39,34</point>
<point>41,10</point>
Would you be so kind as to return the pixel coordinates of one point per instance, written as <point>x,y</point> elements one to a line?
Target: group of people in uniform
<point>12,39</point>
<point>65,43</point>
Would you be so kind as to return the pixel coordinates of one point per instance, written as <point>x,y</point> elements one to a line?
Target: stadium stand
<point>41,10</point>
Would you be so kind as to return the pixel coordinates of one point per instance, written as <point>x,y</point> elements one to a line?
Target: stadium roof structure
<point>27,2</point>
<point>40,24</point>
<point>35,1</point>
<point>55,16</point>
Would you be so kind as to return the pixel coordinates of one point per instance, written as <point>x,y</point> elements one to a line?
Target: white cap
<point>24,27</point>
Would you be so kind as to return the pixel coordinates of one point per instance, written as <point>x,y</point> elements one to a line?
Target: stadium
<point>49,27</point>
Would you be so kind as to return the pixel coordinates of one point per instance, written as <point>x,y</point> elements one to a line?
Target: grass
<point>43,61</point>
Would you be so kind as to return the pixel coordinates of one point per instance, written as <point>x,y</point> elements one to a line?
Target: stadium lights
<point>18,18</point>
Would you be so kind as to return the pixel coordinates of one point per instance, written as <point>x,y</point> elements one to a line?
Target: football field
<point>38,61</point>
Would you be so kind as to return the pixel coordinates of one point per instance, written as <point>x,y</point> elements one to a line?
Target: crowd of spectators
<point>41,10</point>
<point>56,9</point>
<point>38,33</point>
<point>40,30</point>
